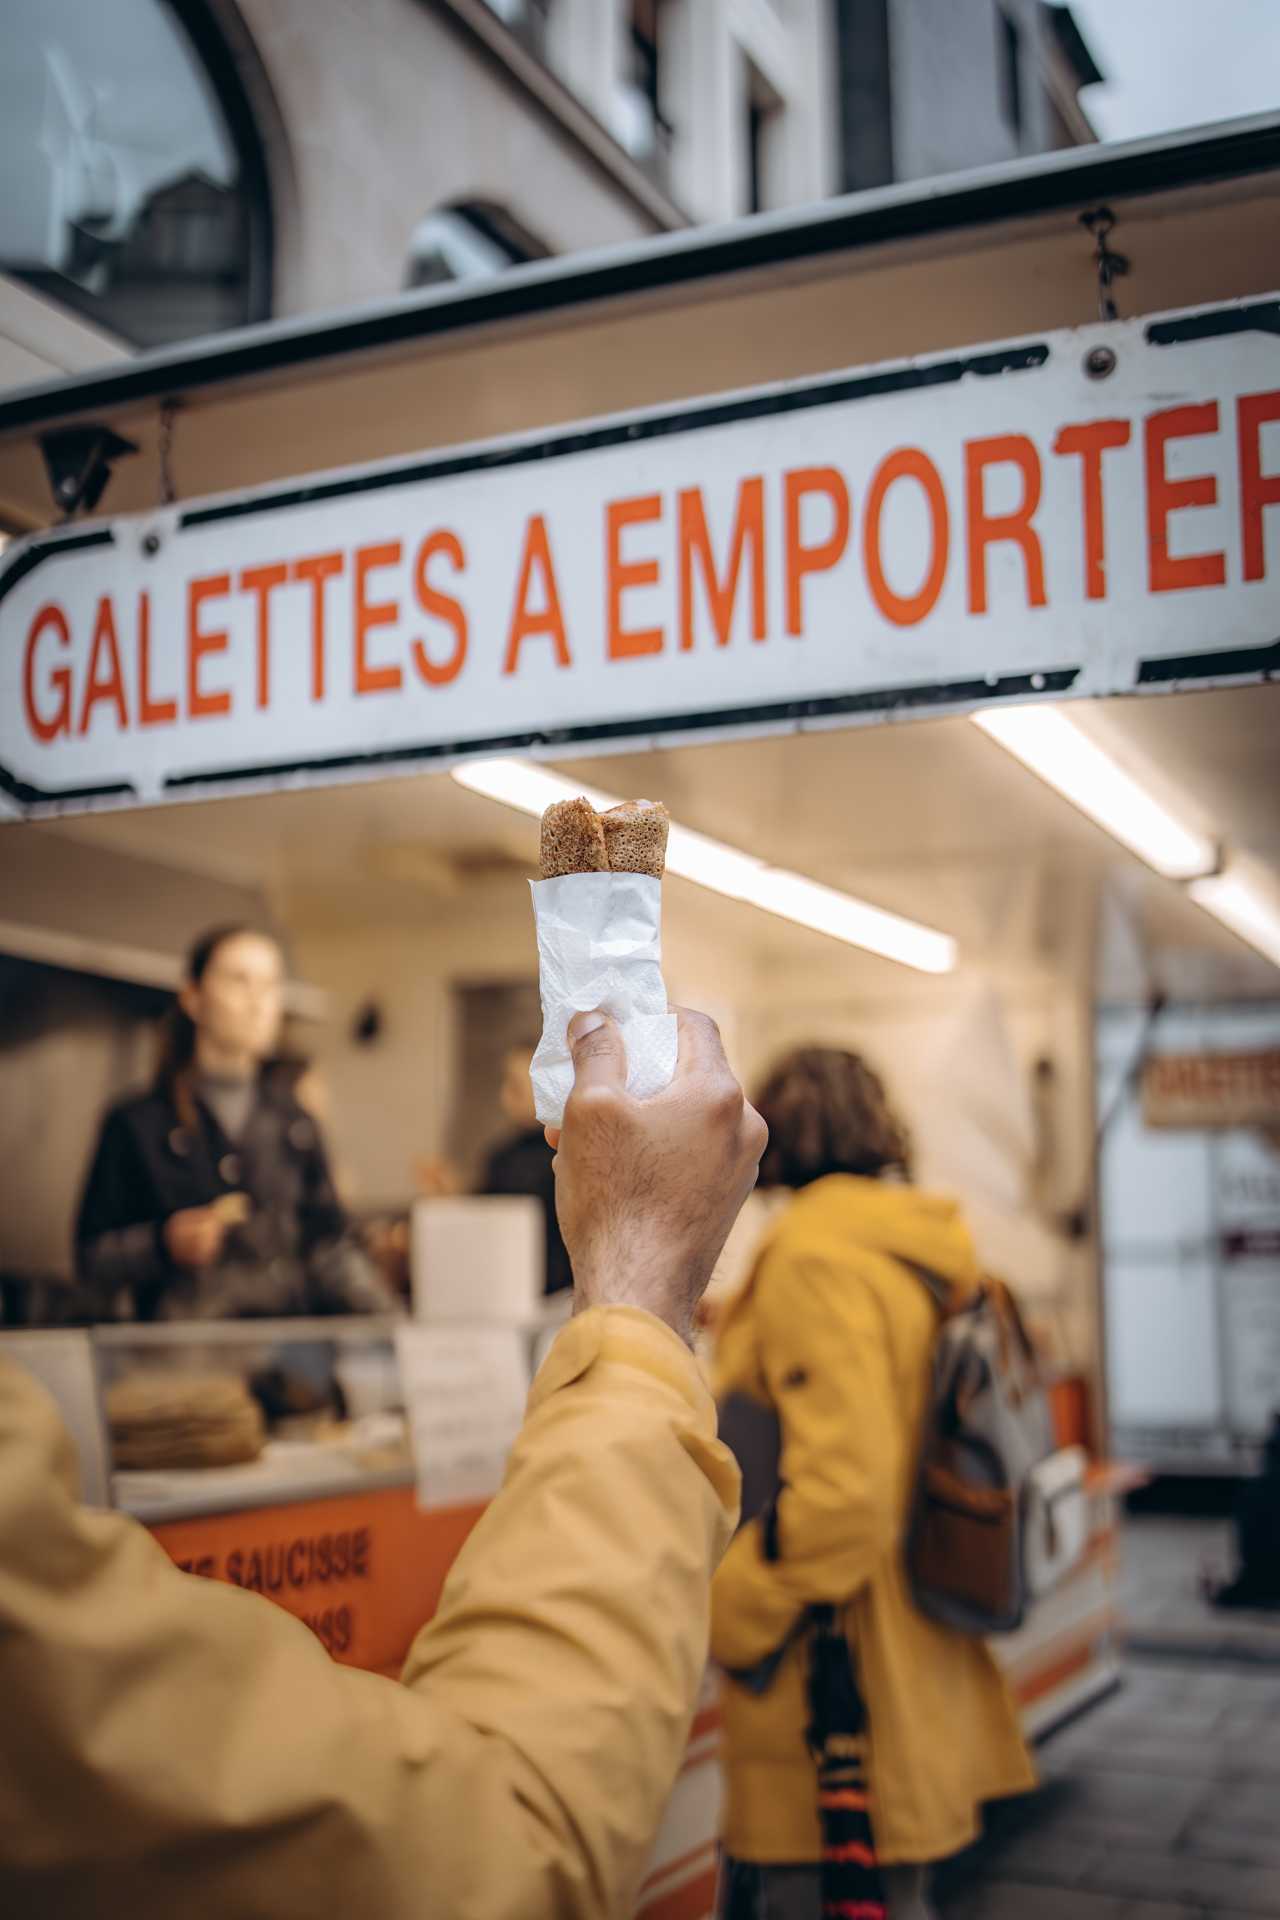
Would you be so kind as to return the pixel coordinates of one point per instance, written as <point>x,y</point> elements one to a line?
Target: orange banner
<point>364,1571</point>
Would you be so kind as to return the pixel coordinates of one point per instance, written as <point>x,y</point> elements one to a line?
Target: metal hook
<point>1112,266</point>
<point>168,492</point>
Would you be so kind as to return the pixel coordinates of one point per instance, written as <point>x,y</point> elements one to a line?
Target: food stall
<point>340,603</point>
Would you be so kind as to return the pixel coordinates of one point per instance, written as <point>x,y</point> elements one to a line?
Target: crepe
<point>572,840</point>
<point>630,838</point>
<point>635,837</point>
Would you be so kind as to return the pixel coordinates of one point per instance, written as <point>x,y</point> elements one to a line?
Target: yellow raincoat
<point>835,1334</point>
<point>171,1745</point>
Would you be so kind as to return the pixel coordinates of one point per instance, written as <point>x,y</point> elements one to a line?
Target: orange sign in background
<point>1200,1090</point>
<point>364,1571</point>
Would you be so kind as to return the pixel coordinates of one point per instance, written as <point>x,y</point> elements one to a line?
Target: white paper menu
<point>465,1389</point>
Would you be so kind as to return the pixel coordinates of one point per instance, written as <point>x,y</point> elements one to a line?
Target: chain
<point>1100,222</point>
<point>168,492</point>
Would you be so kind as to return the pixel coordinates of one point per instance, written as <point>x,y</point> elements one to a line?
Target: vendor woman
<point>210,1196</point>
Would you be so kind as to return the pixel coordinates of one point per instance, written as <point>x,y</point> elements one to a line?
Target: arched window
<point>470,240</point>
<point>134,185</point>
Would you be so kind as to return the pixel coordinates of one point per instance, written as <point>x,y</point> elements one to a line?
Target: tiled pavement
<point>1161,1600</point>
<point>1162,1803</point>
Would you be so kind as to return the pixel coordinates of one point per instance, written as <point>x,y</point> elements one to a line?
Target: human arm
<point>169,1740</point>
<point>647,1190</point>
<point>828,1372</point>
<point>118,1246</point>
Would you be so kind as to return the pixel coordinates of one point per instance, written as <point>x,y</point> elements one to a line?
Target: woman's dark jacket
<point>294,1254</point>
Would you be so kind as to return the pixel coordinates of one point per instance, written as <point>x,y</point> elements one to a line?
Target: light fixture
<point>1237,899</point>
<point>727,870</point>
<point>1055,749</point>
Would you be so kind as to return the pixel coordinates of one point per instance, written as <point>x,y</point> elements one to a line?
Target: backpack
<point>999,1514</point>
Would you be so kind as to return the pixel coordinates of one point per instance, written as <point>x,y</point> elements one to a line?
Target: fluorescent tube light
<point>1053,747</point>
<point>727,870</point>
<point>1235,899</point>
<point>858,923</point>
<point>523,784</point>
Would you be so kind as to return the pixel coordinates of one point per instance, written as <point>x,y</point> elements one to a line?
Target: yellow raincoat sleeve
<point>173,1745</point>
<point>827,1370</point>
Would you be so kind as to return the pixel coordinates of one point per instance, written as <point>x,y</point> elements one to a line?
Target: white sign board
<point>1091,512</point>
<point>464,1390</point>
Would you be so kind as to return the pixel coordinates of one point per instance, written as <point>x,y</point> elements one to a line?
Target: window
<point>640,123</point>
<point>471,240</point>
<point>135,190</point>
<point>1010,58</point>
<point>527,19</point>
<point>757,116</point>
<point>763,111</point>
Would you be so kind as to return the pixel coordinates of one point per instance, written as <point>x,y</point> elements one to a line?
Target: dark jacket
<point>294,1254</point>
<point>522,1164</point>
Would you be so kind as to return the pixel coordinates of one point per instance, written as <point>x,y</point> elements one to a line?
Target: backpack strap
<point>940,1291</point>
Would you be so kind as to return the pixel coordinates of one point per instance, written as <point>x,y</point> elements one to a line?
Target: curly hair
<point>827,1112</point>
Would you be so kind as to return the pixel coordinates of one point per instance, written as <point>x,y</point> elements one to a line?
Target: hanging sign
<point>1091,512</point>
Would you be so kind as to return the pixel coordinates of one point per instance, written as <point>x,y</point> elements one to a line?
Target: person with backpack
<point>862,1737</point>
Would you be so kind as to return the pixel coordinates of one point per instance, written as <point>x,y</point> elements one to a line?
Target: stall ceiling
<point>932,820</point>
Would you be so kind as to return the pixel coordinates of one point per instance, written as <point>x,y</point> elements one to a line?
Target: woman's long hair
<point>178,1034</point>
<point>827,1112</point>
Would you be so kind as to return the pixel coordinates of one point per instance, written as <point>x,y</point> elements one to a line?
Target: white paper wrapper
<point>600,945</point>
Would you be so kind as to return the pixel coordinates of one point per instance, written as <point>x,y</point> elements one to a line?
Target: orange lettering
<point>261,581</point>
<point>1091,440</point>
<point>526,622</point>
<point>443,607</point>
<point>317,568</point>
<point>619,643</point>
<point>1166,496</point>
<point>906,463</point>
<point>56,724</point>
<point>201,705</point>
<point>101,686</point>
<point>985,529</point>
<point>369,615</point>
<point>151,713</point>
<point>1257,489</point>
<point>722,593</point>
<point>802,560</point>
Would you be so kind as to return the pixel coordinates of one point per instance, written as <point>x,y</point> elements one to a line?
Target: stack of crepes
<point>183,1420</point>
<point>598,912</point>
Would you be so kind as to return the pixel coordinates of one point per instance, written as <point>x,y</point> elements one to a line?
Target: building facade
<point>181,166</point>
<point>176,167</point>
